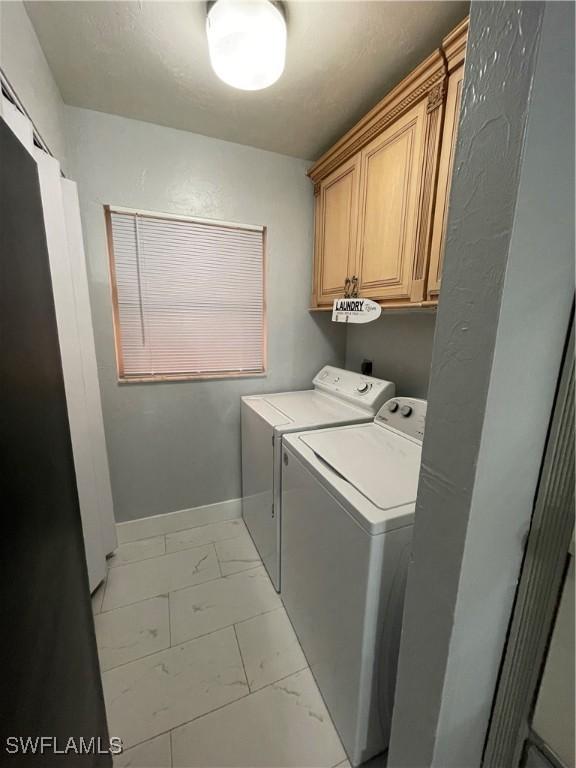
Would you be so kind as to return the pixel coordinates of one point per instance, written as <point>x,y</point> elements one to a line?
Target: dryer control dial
<point>392,406</point>
<point>362,391</point>
<point>406,410</point>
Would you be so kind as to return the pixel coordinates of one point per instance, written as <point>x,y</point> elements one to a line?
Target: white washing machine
<point>348,497</point>
<point>338,397</point>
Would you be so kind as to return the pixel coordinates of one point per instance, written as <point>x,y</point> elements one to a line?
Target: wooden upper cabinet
<point>336,227</point>
<point>454,47</point>
<point>379,190</point>
<point>391,172</point>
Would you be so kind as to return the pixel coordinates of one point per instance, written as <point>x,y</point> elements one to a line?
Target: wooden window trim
<point>122,377</point>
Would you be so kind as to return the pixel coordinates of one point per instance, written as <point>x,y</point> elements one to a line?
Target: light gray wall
<point>177,445</point>
<point>400,347</point>
<point>24,64</point>
<point>507,291</point>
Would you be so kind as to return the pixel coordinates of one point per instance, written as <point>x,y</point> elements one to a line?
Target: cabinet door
<point>452,114</point>
<point>391,174</point>
<point>336,225</point>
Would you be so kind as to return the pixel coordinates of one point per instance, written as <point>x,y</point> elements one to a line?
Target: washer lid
<point>381,464</point>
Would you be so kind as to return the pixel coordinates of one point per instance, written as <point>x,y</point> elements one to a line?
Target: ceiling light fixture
<point>247,42</point>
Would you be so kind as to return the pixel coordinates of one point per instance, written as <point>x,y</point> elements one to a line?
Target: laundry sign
<point>355,311</point>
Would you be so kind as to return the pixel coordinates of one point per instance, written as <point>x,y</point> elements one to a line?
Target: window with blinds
<point>188,296</point>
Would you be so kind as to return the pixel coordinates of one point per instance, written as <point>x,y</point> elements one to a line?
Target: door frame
<point>546,558</point>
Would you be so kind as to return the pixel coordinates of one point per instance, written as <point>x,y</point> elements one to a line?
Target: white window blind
<point>189,296</point>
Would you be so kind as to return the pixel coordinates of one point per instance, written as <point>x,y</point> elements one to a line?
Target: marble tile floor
<point>200,664</point>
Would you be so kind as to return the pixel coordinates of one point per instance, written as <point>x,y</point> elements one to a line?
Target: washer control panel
<point>364,391</point>
<point>404,414</point>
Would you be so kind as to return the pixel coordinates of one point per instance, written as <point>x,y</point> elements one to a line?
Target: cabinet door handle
<point>354,287</point>
<point>347,288</point>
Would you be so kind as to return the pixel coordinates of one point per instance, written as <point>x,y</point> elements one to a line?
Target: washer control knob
<point>393,406</point>
<point>406,410</point>
<point>363,388</point>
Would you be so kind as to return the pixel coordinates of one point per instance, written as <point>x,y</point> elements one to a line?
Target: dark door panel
<point>50,677</point>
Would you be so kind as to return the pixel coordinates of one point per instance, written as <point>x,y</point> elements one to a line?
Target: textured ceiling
<point>149,61</point>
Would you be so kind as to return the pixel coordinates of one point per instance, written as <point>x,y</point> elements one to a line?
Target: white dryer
<point>348,497</point>
<point>338,397</point>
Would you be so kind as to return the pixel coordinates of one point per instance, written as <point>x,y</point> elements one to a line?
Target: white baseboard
<point>157,525</point>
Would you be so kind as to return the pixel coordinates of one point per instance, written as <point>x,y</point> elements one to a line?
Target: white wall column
<point>507,291</point>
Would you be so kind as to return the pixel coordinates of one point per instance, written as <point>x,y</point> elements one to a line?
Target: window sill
<point>190,377</point>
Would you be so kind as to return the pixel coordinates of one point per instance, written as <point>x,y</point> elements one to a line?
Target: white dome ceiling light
<point>247,42</point>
